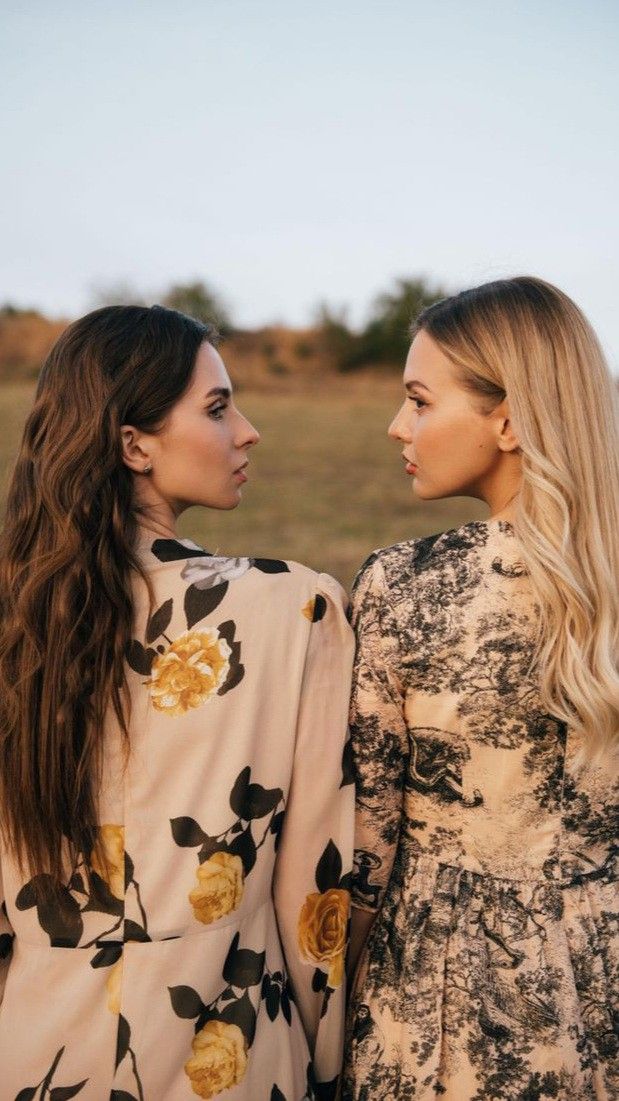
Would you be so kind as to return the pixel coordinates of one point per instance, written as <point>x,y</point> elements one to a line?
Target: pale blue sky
<point>289,152</point>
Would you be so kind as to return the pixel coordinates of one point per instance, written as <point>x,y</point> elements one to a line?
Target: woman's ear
<point>135,456</point>
<point>507,439</point>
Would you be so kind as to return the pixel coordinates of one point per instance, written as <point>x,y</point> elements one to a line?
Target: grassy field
<point>326,485</point>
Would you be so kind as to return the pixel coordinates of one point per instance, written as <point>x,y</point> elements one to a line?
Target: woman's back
<point>176,973</point>
<point>491,964</point>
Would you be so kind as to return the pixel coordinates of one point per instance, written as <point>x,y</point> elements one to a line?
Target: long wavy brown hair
<point>66,565</point>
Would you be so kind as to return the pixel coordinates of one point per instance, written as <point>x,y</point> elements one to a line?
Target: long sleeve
<point>6,940</point>
<point>378,736</point>
<point>314,861</point>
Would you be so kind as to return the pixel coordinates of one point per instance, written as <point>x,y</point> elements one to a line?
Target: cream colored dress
<point>210,960</point>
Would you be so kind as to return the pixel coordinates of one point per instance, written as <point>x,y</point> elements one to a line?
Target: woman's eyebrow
<point>221,391</point>
<point>415,382</point>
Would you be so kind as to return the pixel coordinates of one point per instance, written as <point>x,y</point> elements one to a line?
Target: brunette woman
<point>177,830</point>
<point>486,722</point>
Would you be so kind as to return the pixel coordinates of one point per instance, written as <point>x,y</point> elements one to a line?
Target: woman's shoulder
<point>393,568</point>
<point>184,563</point>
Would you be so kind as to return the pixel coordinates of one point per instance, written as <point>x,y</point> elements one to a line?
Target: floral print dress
<point>485,845</point>
<point>205,955</point>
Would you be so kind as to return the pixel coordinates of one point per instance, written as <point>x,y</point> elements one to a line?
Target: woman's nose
<point>397,429</point>
<point>251,435</point>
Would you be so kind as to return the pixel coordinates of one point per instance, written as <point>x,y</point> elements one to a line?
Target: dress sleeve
<point>6,940</point>
<point>378,736</point>
<point>313,868</point>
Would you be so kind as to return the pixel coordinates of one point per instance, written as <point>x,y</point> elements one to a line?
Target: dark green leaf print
<point>320,607</point>
<point>239,791</point>
<point>270,565</point>
<point>348,765</point>
<point>60,908</point>
<point>185,1002</point>
<point>138,658</point>
<point>276,827</point>
<point>319,980</point>
<point>237,671</point>
<point>241,1013</point>
<point>277,1095</point>
<point>272,1000</point>
<point>55,1093</point>
<point>260,801</point>
<point>227,630</point>
<point>186,832</point>
<point>244,846</point>
<point>76,883</point>
<point>64,1093</point>
<point>242,966</point>
<point>134,932</point>
<point>243,969</point>
<point>123,1047</point>
<point>123,1039</point>
<point>277,995</point>
<point>107,956</point>
<point>58,912</point>
<point>171,550</point>
<point>286,1009</point>
<point>6,944</point>
<point>201,602</point>
<point>101,898</point>
<point>250,802</point>
<point>212,845</point>
<point>159,621</point>
<point>26,896</point>
<point>122,1095</point>
<point>129,871</point>
<point>329,868</point>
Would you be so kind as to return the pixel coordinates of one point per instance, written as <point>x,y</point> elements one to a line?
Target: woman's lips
<point>240,475</point>
<point>411,468</point>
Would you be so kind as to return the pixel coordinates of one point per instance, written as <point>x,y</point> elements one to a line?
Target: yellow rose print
<point>308,610</point>
<point>322,931</point>
<point>220,887</point>
<point>112,868</point>
<point>114,987</point>
<point>219,1059</point>
<point>190,671</point>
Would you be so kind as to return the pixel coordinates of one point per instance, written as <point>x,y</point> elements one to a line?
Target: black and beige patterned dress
<point>489,852</point>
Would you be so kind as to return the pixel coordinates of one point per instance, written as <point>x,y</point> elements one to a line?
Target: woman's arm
<point>379,742</point>
<point>314,861</point>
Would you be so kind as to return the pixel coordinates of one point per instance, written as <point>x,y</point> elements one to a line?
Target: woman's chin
<point>427,493</point>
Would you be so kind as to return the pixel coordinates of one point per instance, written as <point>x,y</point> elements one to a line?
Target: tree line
<point>383,339</point>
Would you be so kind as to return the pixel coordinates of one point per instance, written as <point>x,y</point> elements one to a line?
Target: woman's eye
<point>217,411</point>
<point>419,402</point>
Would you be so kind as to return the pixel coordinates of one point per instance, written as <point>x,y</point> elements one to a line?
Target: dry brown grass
<point>25,340</point>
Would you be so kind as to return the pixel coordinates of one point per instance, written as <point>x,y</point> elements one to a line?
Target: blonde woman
<point>176,823</point>
<point>486,723</point>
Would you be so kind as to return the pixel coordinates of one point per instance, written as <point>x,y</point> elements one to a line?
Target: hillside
<point>256,359</point>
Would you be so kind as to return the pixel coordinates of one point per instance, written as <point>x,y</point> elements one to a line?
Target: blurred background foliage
<point>331,344</point>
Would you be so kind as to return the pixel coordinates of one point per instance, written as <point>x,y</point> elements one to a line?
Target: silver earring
<point>148,468</point>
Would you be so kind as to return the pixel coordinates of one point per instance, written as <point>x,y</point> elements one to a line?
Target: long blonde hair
<point>524,340</point>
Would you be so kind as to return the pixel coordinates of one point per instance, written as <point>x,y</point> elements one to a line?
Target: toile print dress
<point>207,958</point>
<point>487,850</point>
